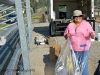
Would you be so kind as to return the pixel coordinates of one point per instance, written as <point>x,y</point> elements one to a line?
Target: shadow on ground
<point>45,31</point>
<point>42,30</point>
<point>49,66</point>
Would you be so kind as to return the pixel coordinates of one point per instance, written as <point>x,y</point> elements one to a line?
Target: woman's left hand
<point>92,35</point>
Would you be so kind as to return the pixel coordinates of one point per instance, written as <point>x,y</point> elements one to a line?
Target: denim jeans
<point>80,61</point>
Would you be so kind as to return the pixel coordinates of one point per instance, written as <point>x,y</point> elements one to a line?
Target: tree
<point>96,2</point>
<point>35,5</point>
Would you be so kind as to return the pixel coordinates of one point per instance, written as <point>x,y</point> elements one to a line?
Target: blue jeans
<point>80,61</point>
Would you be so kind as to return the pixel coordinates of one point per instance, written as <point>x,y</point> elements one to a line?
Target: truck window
<point>62,11</point>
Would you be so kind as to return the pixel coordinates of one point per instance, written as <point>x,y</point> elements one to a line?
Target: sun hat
<point>77,13</point>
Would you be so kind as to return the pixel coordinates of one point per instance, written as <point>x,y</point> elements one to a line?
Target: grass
<point>38,14</point>
<point>36,17</point>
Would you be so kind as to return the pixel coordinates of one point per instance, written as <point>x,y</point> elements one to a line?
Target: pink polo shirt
<point>79,40</point>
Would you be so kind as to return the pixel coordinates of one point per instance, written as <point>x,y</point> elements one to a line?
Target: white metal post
<point>24,48</point>
<point>51,9</point>
<point>29,23</point>
<point>99,33</point>
<point>92,8</point>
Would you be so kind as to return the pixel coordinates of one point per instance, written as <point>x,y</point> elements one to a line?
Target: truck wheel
<point>52,29</point>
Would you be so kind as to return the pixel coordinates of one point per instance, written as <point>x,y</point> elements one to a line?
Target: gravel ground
<point>39,56</point>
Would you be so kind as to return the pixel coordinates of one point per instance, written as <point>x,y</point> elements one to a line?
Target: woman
<point>80,53</point>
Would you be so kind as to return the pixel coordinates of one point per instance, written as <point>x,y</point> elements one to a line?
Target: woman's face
<point>78,19</point>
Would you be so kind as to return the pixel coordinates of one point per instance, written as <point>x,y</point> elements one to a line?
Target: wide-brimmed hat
<point>77,13</point>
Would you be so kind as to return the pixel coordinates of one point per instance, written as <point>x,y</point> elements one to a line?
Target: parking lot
<point>39,56</point>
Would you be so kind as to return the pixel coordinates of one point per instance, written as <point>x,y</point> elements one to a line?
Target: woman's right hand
<point>67,35</point>
<point>92,35</point>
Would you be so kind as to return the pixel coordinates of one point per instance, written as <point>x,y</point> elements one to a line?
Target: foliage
<point>62,8</point>
<point>95,2</point>
<point>36,17</point>
<point>35,5</point>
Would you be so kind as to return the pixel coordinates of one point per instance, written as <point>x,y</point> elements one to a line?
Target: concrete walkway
<point>39,57</point>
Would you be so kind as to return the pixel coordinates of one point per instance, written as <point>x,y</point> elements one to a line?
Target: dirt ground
<point>39,57</point>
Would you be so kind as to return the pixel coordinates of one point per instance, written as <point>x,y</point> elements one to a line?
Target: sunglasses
<point>78,16</point>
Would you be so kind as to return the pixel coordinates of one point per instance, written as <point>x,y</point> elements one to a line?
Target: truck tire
<point>52,29</point>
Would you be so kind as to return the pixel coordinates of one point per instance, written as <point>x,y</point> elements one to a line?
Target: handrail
<point>7,14</point>
<point>8,26</point>
<point>1,5</point>
<point>10,32</point>
<point>7,8</point>
<point>7,20</point>
<point>12,69</point>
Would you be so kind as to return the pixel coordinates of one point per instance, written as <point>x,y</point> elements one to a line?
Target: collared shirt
<point>85,28</point>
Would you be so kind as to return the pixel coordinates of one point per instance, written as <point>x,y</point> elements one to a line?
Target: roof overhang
<point>8,2</point>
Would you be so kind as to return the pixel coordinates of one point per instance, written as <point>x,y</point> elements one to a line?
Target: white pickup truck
<point>60,12</point>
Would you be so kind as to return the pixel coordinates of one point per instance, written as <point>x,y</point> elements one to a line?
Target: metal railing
<point>18,35</point>
<point>8,50</point>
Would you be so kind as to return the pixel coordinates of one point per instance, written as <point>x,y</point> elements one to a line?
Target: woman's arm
<point>91,31</point>
<point>67,35</point>
<point>92,35</point>
<point>66,32</point>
